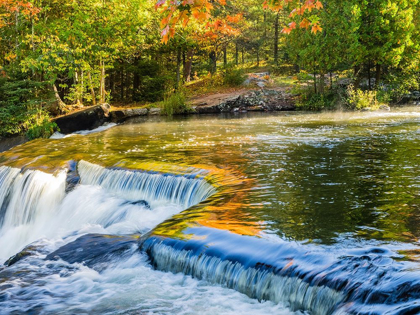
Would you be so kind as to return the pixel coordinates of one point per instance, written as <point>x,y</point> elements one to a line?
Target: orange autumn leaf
<point>318,5</point>
<point>305,23</point>
<point>316,28</point>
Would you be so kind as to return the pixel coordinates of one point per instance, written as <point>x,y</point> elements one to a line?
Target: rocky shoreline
<point>252,101</point>
<point>249,101</point>
<point>95,116</point>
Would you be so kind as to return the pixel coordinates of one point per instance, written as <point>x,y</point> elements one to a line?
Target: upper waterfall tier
<point>155,188</point>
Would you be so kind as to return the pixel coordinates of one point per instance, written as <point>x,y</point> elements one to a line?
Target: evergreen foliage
<point>55,55</point>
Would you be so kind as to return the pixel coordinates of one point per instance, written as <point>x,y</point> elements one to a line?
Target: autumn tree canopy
<point>62,55</point>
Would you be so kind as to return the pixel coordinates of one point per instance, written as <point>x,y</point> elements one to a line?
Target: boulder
<point>87,119</point>
<point>123,114</point>
<point>155,111</point>
<point>10,142</point>
<point>207,109</point>
<point>384,108</point>
<point>94,250</point>
<point>267,100</point>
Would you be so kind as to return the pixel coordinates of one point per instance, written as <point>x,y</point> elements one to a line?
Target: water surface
<point>326,183</point>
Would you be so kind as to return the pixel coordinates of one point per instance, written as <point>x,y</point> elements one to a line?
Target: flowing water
<point>237,214</point>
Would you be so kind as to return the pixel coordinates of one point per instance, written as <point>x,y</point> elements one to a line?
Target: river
<point>232,214</point>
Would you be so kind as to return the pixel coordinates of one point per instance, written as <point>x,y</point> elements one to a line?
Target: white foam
<point>130,287</point>
<point>33,204</point>
<point>58,135</point>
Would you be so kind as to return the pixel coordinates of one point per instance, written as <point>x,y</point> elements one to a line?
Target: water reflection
<point>305,177</point>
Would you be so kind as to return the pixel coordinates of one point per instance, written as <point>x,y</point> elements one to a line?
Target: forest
<point>58,56</point>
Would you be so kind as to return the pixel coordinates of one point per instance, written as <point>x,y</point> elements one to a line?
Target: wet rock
<point>73,178</point>
<point>26,252</point>
<point>207,109</point>
<point>121,115</point>
<point>87,119</point>
<point>155,111</point>
<point>143,203</point>
<point>8,143</point>
<point>384,108</point>
<point>94,249</point>
<point>258,108</point>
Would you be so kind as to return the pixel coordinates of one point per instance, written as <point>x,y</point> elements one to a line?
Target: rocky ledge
<point>253,101</point>
<point>243,101</point>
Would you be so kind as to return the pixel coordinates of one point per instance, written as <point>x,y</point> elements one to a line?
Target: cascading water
<point>34,204</point>
<point>154,188</point>
<point>260,282</point>
<point>359,282</point>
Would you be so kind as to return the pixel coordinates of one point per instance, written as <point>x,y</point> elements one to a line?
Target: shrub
<point>316,101</point>
<point>359,99</point>
<point>22,103</point>
<point>42,129</point>
<point>233,77</point>
<point>175,103</point>
<point>400,83</point>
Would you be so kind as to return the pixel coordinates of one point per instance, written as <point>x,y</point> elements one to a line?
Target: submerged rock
<point>143,203</point>
<point>94,249</point>
<point>384,108</point>
<point>73,178</point>
<point>155,111</point>
<point>26,252</point>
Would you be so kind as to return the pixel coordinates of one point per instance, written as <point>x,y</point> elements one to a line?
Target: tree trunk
<point>78,88</point>
<point>82,86</point>
<point>243,55</point>
<point>102,85</point>
<point>213,62</point>
<point>322,83</point>
<point>315,89</point>
<point>92,90</point>
<point>122,82</point>
<point>61,106</point>
<point>112,82</point>
<point>369,76</point>
<point>276,39</point>
<point>136,80</point>
<point>356,77</point>
<point>178,67</point>
<point>378,75</point>
<point>188,65</point>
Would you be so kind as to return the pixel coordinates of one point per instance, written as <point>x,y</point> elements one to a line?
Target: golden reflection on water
<point>304,177</point>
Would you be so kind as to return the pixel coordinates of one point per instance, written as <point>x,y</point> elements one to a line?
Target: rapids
<point>248,213</point>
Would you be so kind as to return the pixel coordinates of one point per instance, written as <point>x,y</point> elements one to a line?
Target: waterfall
<point>26,199</point>
<point>34,205</point>
<point>305,279</point>
<point>259,283</point>
<point>7,177</point>
<point>155,188</point>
